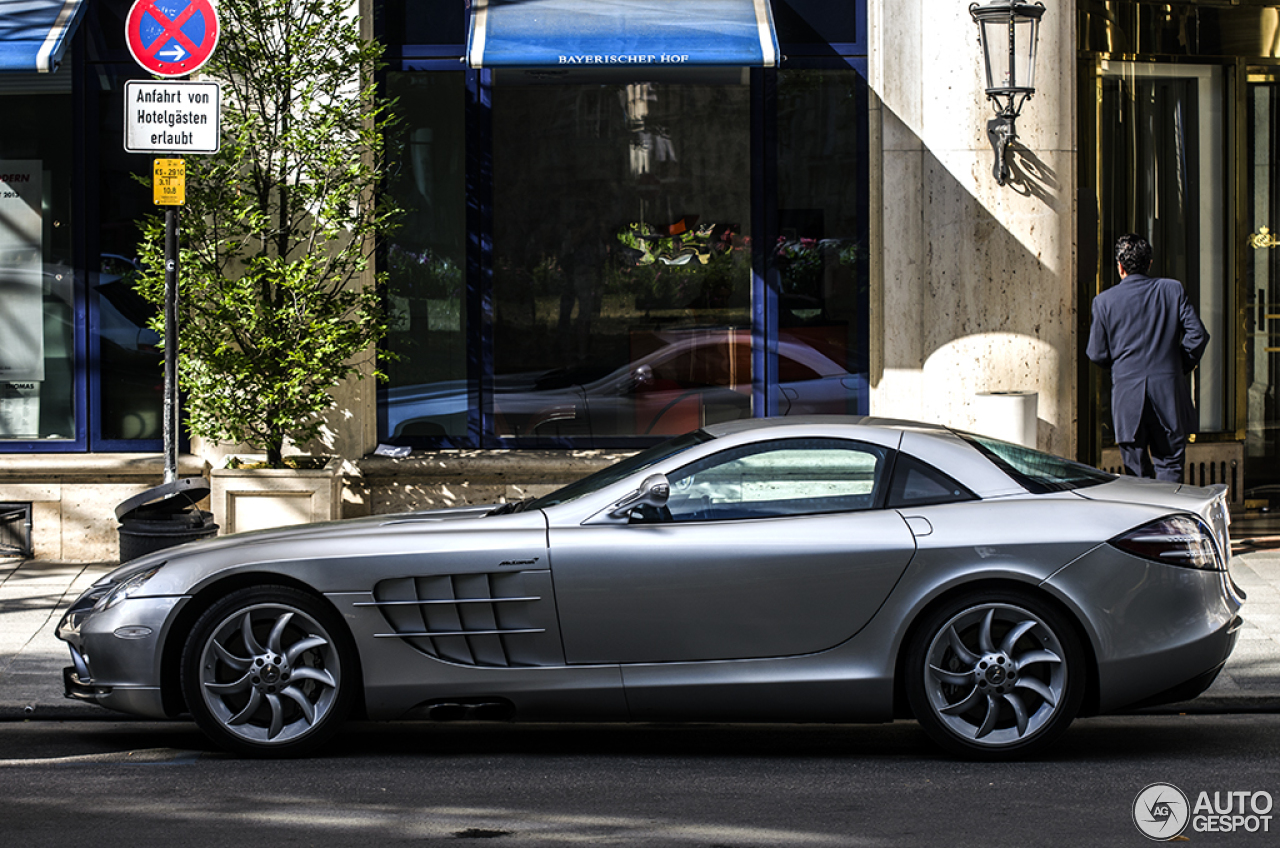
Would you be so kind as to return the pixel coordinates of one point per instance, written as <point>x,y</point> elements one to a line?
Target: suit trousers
<point>1158,449</point>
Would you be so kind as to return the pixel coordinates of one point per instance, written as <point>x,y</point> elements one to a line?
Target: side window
<point>789,477</point>
<point>793,371</point>
<point>917,484</point>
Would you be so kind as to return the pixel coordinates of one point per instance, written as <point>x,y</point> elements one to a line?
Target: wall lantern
<point>1007,32</point>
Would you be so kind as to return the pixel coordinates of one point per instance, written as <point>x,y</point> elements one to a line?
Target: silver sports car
<point>823,569</point>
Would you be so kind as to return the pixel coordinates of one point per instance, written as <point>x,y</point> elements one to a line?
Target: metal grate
<point>499,620</point>
<point>15,530</point>
<point>1207,463</point>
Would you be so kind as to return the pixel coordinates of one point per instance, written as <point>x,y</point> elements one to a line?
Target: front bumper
<point>142,701</point>
<point>116,654</point>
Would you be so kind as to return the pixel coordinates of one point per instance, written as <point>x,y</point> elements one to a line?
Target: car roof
<point>935,444</point>
<point>743,425</point>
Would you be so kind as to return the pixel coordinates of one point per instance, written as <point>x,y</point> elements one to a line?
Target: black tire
<point>269,671</point>
<point>995,675</point>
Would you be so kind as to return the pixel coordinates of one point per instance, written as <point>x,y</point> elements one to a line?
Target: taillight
<point>1174,540</point>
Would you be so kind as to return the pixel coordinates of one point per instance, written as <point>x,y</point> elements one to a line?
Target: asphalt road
<point>107,783</point>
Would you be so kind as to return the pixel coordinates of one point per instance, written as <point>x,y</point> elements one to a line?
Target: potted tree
<point>278,301</point>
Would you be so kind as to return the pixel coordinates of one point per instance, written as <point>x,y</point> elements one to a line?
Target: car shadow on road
<point>1095,740</point>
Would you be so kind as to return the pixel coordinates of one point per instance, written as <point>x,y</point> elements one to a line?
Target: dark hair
<point>1133,252</point>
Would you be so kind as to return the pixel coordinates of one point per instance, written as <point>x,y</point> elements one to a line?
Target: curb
<point>70,711</point>
<point>1213,705</point>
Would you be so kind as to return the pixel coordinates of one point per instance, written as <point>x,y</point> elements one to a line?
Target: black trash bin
<point>162,517</point>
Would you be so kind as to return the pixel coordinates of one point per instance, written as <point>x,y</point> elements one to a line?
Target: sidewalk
<point>34,593</point>
<point>33,596</point>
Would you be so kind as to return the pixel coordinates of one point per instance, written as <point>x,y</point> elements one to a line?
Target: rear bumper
<point>1159,633</point>
<point>1187,691</point>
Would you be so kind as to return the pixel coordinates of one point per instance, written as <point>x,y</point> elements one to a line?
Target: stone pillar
<point>973,284</point>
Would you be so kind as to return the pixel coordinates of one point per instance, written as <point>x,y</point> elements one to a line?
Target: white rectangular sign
<point>172,116</point>
<point>21,272</point>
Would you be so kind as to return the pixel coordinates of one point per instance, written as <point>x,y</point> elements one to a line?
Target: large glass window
<point>37,282</point>
<point>1262,281</point>
<point>821,252</point>
<point>127,389</point>
<point>606,256</point>
<point>621,262</point>
<point>428,393</point>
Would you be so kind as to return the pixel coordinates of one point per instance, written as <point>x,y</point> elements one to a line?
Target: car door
<point>766,550</point>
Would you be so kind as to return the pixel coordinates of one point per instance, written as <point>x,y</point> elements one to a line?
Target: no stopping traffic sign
<point>171,38</point>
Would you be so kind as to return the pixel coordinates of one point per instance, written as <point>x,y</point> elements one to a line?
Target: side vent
<point>497,620</point>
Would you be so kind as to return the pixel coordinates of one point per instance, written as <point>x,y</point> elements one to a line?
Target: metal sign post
<point>169,183</point>
<point>171,344</point>
<point>171,38</point>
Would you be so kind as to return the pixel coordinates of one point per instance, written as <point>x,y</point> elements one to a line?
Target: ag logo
<point>1161,811</point>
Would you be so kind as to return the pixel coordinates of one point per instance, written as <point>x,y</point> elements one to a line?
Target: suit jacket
<point>1145,330</point>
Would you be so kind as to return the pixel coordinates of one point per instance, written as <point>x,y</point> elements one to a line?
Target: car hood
<point>186,566</point>
<point>1209,502</point>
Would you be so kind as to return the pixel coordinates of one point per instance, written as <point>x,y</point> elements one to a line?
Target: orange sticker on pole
<point>169,182</point>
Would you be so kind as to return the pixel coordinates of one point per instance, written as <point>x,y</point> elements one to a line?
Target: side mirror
<point>641,378</point>
<point>654,492</point>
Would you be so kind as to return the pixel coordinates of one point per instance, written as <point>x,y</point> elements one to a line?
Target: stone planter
<point>257,498</point>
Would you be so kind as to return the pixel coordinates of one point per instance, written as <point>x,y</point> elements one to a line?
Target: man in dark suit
<point>1145,330</point>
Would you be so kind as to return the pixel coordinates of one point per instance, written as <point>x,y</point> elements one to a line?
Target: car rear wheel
<point>269,671</point>
<point>995,675</point>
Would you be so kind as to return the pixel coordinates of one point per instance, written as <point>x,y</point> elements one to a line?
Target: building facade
<point>604,247</point>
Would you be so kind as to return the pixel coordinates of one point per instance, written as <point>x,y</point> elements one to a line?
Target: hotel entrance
<point>1261,274</point>
<point>1180,142</point>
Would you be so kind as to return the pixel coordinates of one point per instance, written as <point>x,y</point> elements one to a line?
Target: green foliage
<point>703,267</point>
<point>279,226</point>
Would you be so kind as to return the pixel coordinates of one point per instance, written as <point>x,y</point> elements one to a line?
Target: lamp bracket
<point>1001,131</point>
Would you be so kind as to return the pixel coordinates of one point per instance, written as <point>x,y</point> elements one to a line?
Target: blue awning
<point>620,33</point>
<point>35,33</point>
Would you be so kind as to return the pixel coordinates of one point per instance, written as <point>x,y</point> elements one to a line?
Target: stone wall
<point>973,283</point>
<point>73,498</point>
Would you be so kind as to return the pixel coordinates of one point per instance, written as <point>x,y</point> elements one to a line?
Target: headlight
<point>1174,540</point>
<point>124,589</point>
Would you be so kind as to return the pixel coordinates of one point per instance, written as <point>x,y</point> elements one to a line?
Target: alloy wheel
<point>268,675</point>
<point>996,676</point>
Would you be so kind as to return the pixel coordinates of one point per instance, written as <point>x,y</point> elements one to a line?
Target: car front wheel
<point>268,671</point>
<point>995,675</point>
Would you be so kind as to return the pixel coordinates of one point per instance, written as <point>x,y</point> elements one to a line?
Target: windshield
<point>1038,473</point>
<point>625,468</point>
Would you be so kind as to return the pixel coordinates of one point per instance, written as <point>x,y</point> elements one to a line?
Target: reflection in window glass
<point>131,356</point>
<point>622,269</point>
<point>815,22</point>
<point>128,388</point>
<point>37,339</point>
<point>1261,271</point>
<point>631,465</point>
<point>795,477</point>
<point>821,254</point>
<point>427,392</point>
